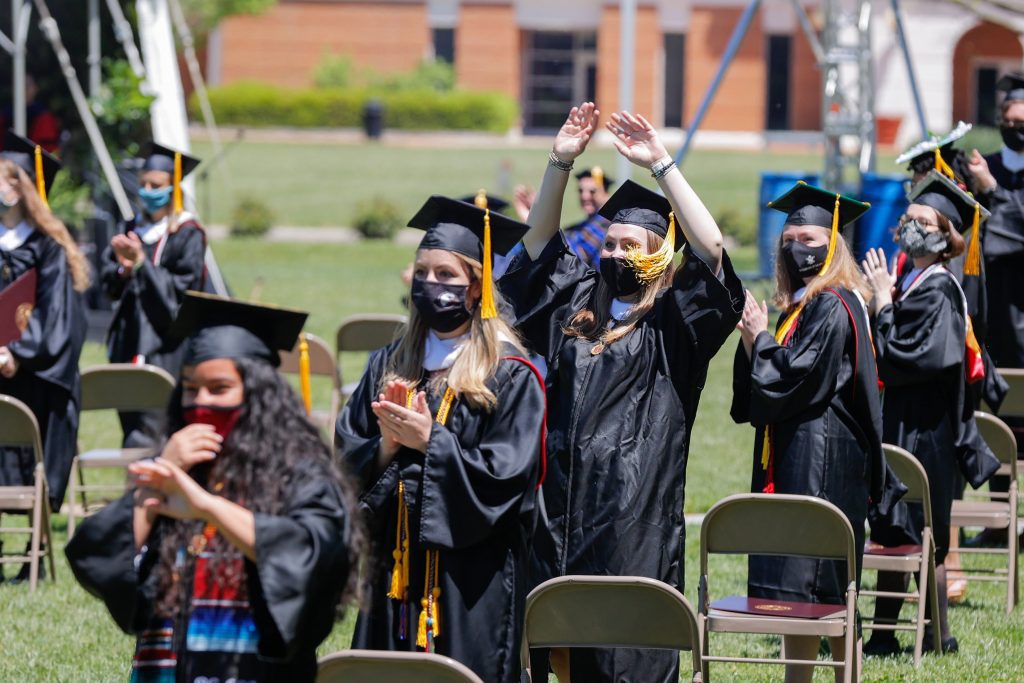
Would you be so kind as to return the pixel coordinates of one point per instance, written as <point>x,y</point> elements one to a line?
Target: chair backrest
<point>999,438</point>
<point>1013,403</point>
<point>373,666</point>
<point>321,360</point>
<point>609,611</point>
<point>126,386</point>
<point>368,332</point>
<point>777,524</point>
<point>912,474</point>
<point>18,426</point>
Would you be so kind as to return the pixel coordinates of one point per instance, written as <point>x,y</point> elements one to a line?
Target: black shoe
<point>882,644</point>
<point>989,538</point>
<point>26,571</point>
<point>949,645</point>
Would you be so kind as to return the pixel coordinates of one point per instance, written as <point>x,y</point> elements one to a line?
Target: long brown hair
<point>592,321</point>
<point>39,216</point>
<point>842,272</point>
<point>473,367</point>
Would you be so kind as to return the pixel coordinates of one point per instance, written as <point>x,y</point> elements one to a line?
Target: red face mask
<point>221,418</point>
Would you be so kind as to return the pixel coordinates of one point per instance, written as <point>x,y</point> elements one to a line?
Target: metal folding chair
<point>321,364</point>
<point>374,666</point>
<point>362,333</point>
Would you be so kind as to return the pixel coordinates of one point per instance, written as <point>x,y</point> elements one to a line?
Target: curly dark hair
<point>272,445</point>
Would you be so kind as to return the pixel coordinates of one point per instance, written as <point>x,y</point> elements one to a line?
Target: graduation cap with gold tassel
<point>40,165</point>
<point>963,211</point>
<point>634,204</point>
<point>162,158</point>
<point>471,230</point>
<point>934,152</point>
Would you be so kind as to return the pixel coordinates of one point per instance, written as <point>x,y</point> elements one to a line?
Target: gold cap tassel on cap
<point>304,383</point>
<point>832,239</point>
<point>40,178</point>
<point>650,267</point>
<point>597,173</point>
<point>972,263</point>
<point>942,167</point>
<point>487,308</point>
<point>178,203</point>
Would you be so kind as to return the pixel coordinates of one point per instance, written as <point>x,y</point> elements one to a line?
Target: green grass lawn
<point>63,634</point>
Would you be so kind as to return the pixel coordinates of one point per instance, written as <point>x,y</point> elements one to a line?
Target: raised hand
<point>984,181</point>
<point>128,250</point>
<point>753,322</point>
<point>168,490</point>
<point>410,427</point>
<point>881,279</point>
<point>636,139</point>
<point>575,133</point>
<point>192,445</point>
<point>522,201</point>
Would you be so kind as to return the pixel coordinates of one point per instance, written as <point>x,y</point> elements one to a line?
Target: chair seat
<point>17,497</point>
<point>980,513</point>
<point>111,457</point>
<point>738,614</point>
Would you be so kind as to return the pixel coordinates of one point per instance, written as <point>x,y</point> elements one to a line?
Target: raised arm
<point>637,140</point>
<point>546,213</point>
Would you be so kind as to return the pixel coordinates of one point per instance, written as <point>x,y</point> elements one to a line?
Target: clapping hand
<point>636,139</point>
<point>401,426</point>
<point>575,133</point>
<point>128,250</point>
<point>753,322</point>
<point>881,279</point>
<point>166,489</point>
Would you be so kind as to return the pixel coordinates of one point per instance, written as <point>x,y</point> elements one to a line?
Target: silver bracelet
<point>660,169</point>
<point>558,163</point>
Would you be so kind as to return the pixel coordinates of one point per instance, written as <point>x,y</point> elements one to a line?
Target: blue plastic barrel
<point>771,222</point>
<point>888,199</point>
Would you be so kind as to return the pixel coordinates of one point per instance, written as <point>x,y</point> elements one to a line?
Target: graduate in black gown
<point>922,336</point>
<point>811,390</point>
<point>627,347</point>
<point>228,559</point>
<point>146,271</point>
<point>445,435</point>
<point>40,367</point>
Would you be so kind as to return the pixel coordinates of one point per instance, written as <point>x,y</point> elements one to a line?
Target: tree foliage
<point>204,15</point>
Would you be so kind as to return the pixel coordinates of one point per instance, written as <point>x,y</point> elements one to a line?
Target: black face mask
<point>619,276</point>
<point>1013,138</point>
<point>802,261</point>
<point>443,307</point>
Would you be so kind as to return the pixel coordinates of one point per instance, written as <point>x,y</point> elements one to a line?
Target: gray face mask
<point>916,241</point>
<point>6,203</point>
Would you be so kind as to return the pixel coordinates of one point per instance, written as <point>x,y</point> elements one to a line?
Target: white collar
<point>440,354</point>
<point>12,238</point>
<point>151,233</point>
<point>1013,161</point>
<point>620,309</point>
<point>798,295</point>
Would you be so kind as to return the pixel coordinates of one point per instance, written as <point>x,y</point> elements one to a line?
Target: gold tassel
<point>487,308</point>
<point>597,173</point>
<point>178,203</point>
<point>304,385</point>
<point>650,267</point>
<point>833,238</point>
<point>400,570</point>
<point>421,626</point>
<point>972,264</point>
<point>40,178</point>
<point>942,167</point>
<point>481,199</point>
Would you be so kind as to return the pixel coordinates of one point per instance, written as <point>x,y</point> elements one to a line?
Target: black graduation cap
<point>806,204</point>
<point>921,157</point>
<point>23,151</point>
<point>158,157</point>
<point>455,225</point>
<point>485,201</point>
<point>946,197</point>
<point>634,204</point>
<point>597,173</point>
<point>1013,86</point>
<point>220,327</point>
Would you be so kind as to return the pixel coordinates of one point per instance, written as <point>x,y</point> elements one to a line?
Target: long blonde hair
<point>475,364</point>
<point>592,322</point>
<point>39,216</point>
<point>842,272</point>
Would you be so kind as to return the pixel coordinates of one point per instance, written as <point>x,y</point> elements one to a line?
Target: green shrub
<point>251,218</point>
<point>733,223</point>
<point>334,71</point>
<point>377,219</point>
<point>260,104</point>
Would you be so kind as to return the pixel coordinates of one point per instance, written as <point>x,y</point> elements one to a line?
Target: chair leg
<point>73,492</point>
<point>705,648</point>
<point>924,586</point>
<point>37,522</point>
<point>1012,542</point>
<point>48,528</point>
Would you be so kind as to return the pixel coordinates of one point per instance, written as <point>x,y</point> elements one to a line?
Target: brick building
<point>550,53</point>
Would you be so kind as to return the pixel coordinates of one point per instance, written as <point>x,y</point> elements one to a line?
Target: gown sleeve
<point>161,288</point>
<point>466,492</point>
<point>538,288</point>
<point>302,562</point>
<point>53,326</point>
<point>921,336</point>
<point>786,381</point>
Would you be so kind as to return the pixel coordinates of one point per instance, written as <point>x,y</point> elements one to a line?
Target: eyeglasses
<point>904,219</point>
<point>1012,125</point>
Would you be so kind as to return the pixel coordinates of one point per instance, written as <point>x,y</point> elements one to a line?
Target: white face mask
<point>6,202</point>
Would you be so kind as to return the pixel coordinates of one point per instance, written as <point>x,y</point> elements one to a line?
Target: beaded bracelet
<point>558,163</point>
<point>660,171</point>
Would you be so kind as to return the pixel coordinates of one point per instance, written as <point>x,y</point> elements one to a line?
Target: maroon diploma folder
<point>778,608</point>
<point>16,303</point>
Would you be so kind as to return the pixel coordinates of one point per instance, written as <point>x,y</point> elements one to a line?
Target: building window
<point>985,95</point>
<point>675,44</point>
<point>444,45</point>
<point>779,62</point>
<point>560,70</point>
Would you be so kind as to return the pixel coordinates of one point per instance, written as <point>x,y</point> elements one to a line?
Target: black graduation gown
<point>926,410</point>
<point>620,424</point>
<point>473,496</point>
<point>819,393</point>
<point>294,586</point>
<point>1004,261</point>
<point>147,303</point>
<point>47,354</point>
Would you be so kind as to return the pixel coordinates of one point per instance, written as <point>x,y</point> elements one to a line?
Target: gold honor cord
<point>649,267</point>
<point>40,178</point>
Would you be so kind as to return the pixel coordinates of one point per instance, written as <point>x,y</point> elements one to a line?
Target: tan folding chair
<point>321,364</point>
<point>573,611</point>
<point>778,524</point>
<point>362,333</point>
<point>999,511</point>
<point>123,387</point>
<point>918,560</point>
<point>18,427</point>
<point>374,666</point>
<point>1013,406</point>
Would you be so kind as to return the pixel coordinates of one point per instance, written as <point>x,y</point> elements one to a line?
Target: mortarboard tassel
<point>178,203</point>
<point>972,264</point>
<point>40,178</point>
<point>597,173</point>
<point>942,167</point>
<point>480,199</point>
<point>400,571</point>
<point>304,385</point>
<point>649,267</point>
<point>487,308</point>
<point>832,239</point>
